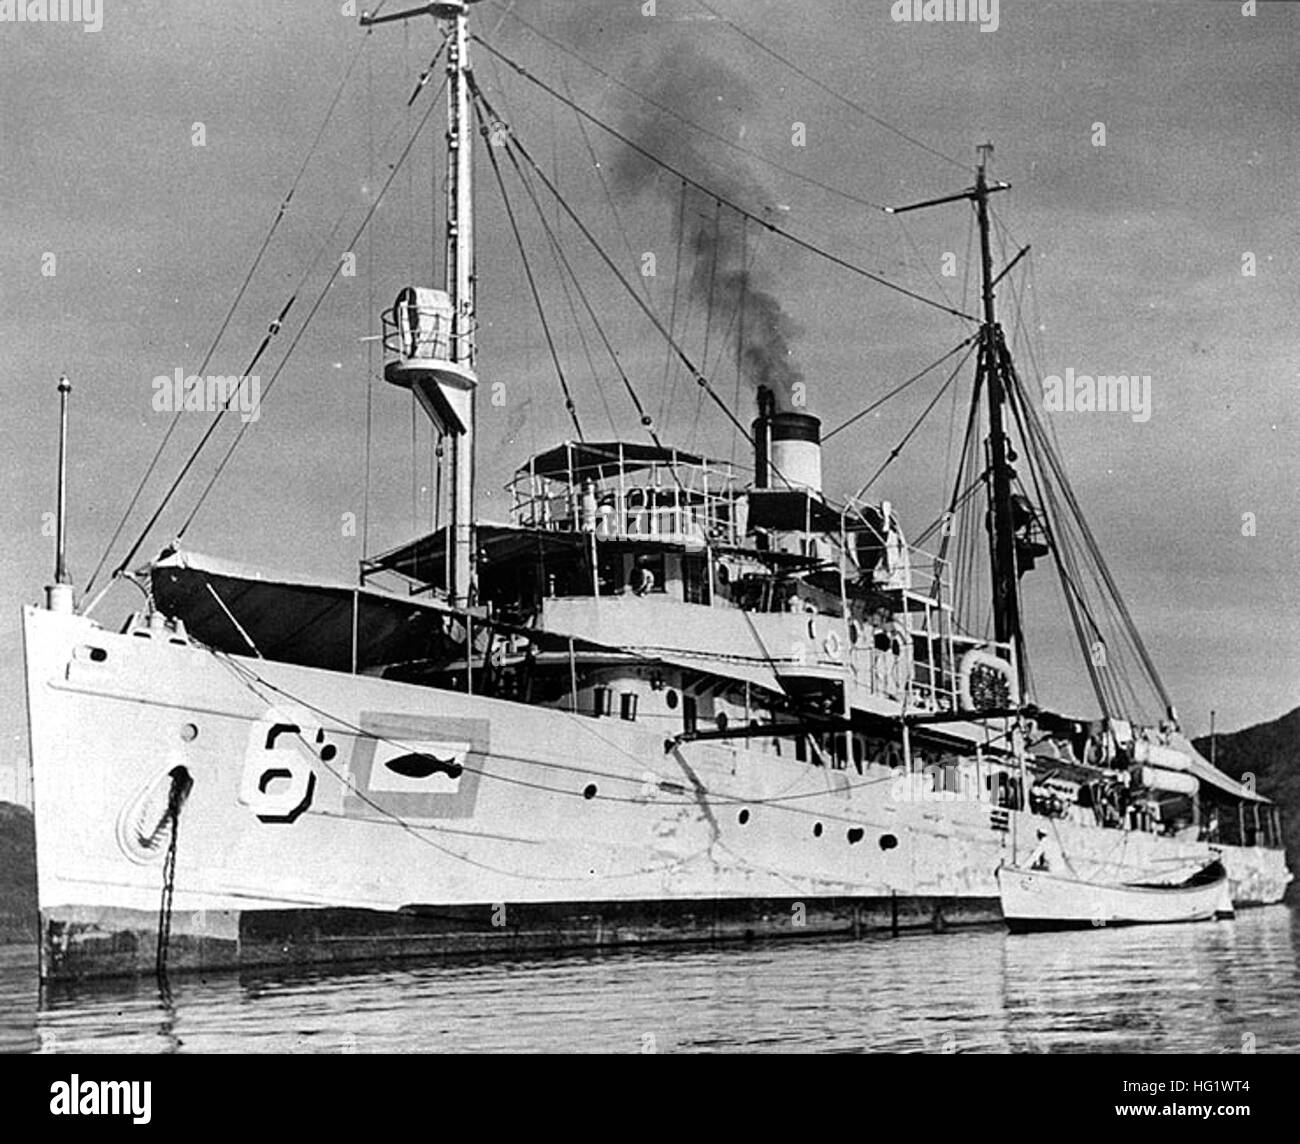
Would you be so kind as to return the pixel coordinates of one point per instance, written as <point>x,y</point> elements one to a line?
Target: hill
<point>1271,752</point>
<point>17,874</point>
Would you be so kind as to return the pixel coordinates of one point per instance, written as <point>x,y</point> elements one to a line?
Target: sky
<point>1152,152</point>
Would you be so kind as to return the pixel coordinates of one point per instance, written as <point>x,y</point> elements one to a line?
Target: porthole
<point>589,791</point>
<point>817,830</point>
<point>189,732</point>
<point>855,835</point>
<point>721,720</point>
<point>671,700</point>
<point>743,817</point>
<point>888,842</point>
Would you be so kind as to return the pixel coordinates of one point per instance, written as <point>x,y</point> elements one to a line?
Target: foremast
<point>460,285</point>
<point>431,334</point>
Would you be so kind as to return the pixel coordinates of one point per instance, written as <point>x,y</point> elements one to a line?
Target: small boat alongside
<point>1040,900</point>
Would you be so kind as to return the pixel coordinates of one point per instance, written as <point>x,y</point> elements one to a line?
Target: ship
<point>673,698</point>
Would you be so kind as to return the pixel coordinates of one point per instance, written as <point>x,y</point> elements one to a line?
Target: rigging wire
<point>1095,553</point>
<point>569,405</point>
<point>740,335</point>
<point>1066,584</point>
<point>370,304</point>
<point>338,264</point>
<point>565,275</point>
<point>766,224</point>
<point>253,681</point>
<point>512,141</point>
<point>513,146</point>
<point>916,252</point>
<point>1104,585</point>
<point>713,278</point>
<point>604,186</point>
<point>830,90</point>
<point>664,389</point>
<point>899,389</point>
<point>230,313</point>
<point>893,455</point>
<point>582,294</point>
<point>275,329</point>
<point>715,136</point>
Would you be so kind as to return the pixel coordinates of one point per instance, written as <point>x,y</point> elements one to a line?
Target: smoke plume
<point>717,242</point>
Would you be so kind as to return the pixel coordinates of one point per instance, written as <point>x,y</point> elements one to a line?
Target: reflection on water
<point>1214,987</point>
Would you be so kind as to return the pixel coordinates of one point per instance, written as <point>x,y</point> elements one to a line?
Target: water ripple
<point>1220,987</point>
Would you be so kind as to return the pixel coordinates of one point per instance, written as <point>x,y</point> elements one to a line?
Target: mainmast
<point>430,333</point>
<point>1002,541</point>
<point>990,376</point>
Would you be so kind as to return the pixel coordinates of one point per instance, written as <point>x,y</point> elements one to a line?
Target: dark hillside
<point>17,874</point>
<point>1271,752</point>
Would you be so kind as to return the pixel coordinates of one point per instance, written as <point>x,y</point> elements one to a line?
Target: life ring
<point>831,644</point>
<point>983,659</point>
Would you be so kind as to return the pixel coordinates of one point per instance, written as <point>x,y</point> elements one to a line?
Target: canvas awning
<point>292,619</point>
<point>600,459</point>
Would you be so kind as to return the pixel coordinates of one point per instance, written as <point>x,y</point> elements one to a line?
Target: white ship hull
<point>540,829</point>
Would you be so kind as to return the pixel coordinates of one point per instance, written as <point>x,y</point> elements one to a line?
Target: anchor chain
<point>181,785</point>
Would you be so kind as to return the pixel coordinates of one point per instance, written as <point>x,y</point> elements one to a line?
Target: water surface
<point>1213,987</point>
